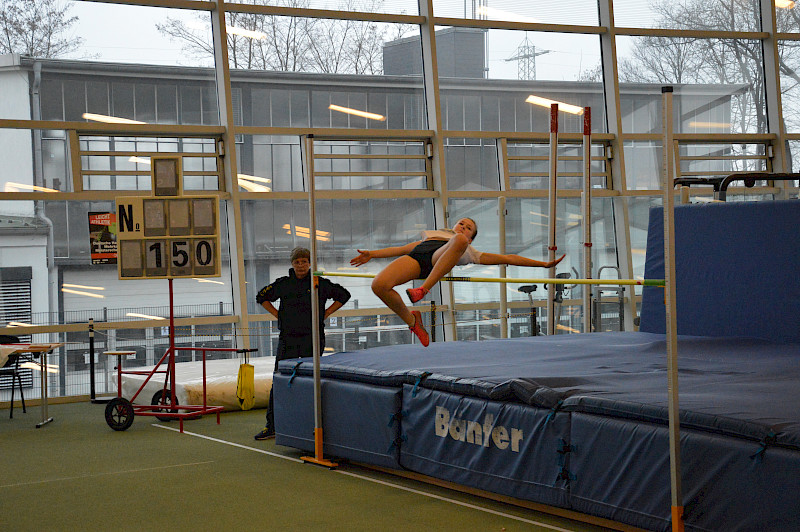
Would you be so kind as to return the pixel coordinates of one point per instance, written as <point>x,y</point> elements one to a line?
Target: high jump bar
<point>613,282</point>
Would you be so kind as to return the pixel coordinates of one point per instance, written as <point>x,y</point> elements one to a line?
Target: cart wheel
<point>162,397</point>
<point>119,413</point>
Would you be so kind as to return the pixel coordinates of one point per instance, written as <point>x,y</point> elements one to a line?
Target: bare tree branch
<point>36,28</point>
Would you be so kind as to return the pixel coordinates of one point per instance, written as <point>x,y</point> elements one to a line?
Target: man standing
<point>294,316</point>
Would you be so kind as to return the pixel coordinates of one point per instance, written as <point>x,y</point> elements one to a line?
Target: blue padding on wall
<point>504,448</point>
<point>737,270</point>
<point>367,437</point>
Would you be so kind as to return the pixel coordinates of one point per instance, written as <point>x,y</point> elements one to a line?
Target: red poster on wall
<point>103,237</point>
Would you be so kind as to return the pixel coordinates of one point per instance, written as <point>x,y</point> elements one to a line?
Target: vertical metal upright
<point>501,145</point>
<point>433,115</point>
<point>230,169</point>
<point>586,211</point>
<point>551,222</point>
<point>307,152</point>
<point>616,153</point>
<point>671,322</point>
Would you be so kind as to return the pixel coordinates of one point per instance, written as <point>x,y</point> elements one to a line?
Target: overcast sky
<point>121,33</point>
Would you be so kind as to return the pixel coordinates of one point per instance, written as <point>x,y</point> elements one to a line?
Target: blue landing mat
<point>573,421</point>
<point>735,386</point>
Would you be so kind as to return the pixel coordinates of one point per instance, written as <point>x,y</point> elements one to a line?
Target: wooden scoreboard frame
<point>167,235</point>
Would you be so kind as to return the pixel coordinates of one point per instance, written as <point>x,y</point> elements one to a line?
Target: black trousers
<point>290,347</point>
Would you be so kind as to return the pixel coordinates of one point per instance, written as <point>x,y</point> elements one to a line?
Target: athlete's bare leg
<point>399,271</point>
<point>445,258</point>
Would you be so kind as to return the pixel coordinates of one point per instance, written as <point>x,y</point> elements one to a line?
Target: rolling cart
<point>164,406</point>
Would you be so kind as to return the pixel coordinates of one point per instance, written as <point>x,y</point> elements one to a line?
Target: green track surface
<point>77,474</point>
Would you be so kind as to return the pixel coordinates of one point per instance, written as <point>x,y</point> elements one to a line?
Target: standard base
<point>319,461</point>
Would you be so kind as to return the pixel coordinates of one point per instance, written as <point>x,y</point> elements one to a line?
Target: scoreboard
<point>167,235</point>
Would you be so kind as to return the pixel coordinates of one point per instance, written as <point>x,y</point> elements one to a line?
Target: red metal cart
<point>164,406</point>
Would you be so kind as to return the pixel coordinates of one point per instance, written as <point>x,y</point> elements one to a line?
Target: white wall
<point>28,250</point>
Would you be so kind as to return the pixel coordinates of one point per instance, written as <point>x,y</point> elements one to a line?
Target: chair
<point>11,367</point>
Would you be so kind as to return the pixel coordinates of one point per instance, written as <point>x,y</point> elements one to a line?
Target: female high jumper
<point>431,259</point>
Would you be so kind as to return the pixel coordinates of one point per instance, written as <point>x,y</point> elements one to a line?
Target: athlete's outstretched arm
<point>365,255</point>
<point>516,260</point>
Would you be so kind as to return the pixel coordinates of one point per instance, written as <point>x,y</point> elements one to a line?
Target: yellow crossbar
<point>611,282</point>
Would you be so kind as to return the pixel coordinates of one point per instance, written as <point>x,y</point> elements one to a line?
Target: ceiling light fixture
<point>544,102</point>
<point>110,119</point>
<point>356,112</point>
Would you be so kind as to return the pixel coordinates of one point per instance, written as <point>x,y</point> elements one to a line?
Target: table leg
<point>43,373</point>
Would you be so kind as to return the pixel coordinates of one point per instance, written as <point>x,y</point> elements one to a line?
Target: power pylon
<point>525,57</point>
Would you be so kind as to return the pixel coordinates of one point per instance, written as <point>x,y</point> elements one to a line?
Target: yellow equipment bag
<point>245,386</point>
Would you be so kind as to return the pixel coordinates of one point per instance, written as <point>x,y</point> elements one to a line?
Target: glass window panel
<point>789,58</point>
<point>124,296</point>
<point>97,100</point>
<point>75,99</point>
<point>393,7</point>
<point>793,157</point>
<point>54,165</point>
<point>277,159</point>
<point>579,12</point>
<point>388,52</point>
<point>643,163</point>
<point>145,102</point>
<point>122,105</point>
<point>149,35</point>
<point>567,72</point>
<point>191,104</point>
<point>639,219</point>
<point>345,225</point>
<point>516,55</point>
<point>52,99</point>
<point>166,104</point>
<point>786,16</point>
<point>527,235</point>
<point>689,15</point>
<point>719,84</point>
<point>529,166</point>
<point>471,167</point>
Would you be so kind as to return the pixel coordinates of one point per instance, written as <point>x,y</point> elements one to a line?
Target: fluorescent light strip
<point>110,119</point>
<point>207,281</point>
<point>250,34</point>
<point>84,287</point>
<point>254,178</point>
<point>19,324</point>
<point>145,316</point>
<point>364,114</point>
<point>252,187</point>
<point>308,235</point>
<point>16,187</point>
<point>141,160</point>
<point>51,368</point>
<point>80,293</point>
<point>724,125</point>
<point>544,102</point>
<point>499,14</point>
<point>785,4</point>
<point>306,230</point>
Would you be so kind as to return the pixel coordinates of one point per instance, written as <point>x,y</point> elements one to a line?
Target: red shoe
<point>415,294</point>
<point>419,330</point>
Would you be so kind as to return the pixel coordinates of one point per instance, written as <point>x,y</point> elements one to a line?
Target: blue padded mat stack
<point>737,270</point>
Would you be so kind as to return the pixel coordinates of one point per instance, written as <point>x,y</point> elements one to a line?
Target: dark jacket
<point>294,311</point>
